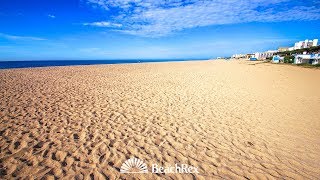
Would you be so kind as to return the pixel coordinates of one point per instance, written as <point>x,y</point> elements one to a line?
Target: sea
<point>47,63</point>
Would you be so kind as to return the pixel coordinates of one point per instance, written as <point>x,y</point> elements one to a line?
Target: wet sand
<point>231,119</point>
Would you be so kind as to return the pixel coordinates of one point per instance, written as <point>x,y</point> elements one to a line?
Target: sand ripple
<point>231,120</point>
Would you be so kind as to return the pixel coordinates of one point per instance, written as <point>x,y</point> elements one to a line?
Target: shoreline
<point>61,63</point>
<point>159,61</point>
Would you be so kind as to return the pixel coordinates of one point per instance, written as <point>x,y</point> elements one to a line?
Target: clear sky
<point>151,29</point>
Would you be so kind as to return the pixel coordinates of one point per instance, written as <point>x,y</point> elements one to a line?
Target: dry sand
<point>231,119</point>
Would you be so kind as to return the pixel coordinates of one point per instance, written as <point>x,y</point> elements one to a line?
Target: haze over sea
<point>46,63</point>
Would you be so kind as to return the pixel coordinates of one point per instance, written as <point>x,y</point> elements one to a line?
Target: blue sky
<point>151,29</point>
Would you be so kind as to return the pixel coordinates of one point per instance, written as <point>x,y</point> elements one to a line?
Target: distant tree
<point>288,59</point>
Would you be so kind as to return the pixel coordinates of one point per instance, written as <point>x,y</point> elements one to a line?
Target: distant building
<point>277,59</point>
<point>298,45</point>
<point>265,55</point>
<point>248,56</point>
<point>283,49</point>
<point>290,48</point>
<point>242,56</point>
<point>306,44</point>
<point>307,59</point>
<point>315,42</point>
<point>268,54</point>
<point>238,56</point>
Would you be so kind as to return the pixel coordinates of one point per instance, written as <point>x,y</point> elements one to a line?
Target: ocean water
<point>29,64</point>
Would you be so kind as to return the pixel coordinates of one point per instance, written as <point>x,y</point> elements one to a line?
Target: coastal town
<point>303,52</point>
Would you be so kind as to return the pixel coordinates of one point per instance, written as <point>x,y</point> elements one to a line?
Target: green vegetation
<point>288,59</point>
<point>315,49</point>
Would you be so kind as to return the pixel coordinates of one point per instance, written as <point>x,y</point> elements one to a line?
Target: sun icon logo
<point>134,165</point>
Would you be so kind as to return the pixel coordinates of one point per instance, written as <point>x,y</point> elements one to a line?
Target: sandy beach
<point>230,119</point>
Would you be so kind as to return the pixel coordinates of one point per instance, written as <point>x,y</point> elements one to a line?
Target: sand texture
<point>231,119</point>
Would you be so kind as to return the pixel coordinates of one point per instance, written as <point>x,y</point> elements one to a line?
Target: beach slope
<point>230,119</point>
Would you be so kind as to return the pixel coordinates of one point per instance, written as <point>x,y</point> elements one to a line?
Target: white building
<point>283,49</point>
<point>315,42</point>
<point>298,45</point>
<point>264,55</point>
<point>238,56</point>
<point>305,44</point>
<point>291,48</point>
<point>307,59</point>
<point>277,59</point>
